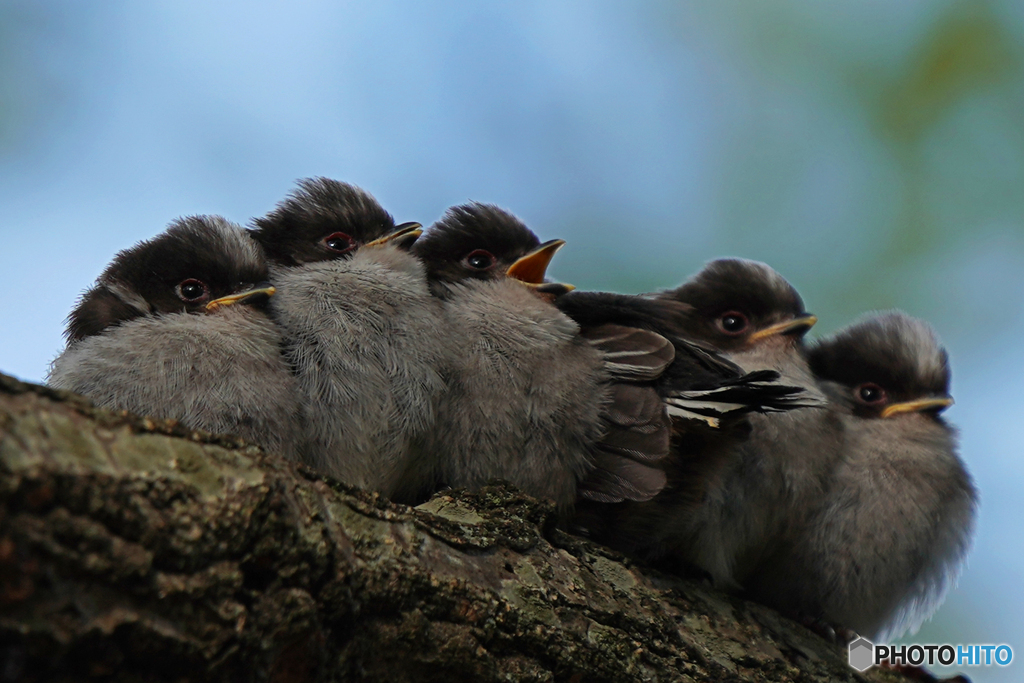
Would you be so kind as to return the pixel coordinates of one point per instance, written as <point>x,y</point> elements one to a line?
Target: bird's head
<point>737,305</point>
<point>200,264</point>
<point>326,219</point>
<point>885,366</point>
<point>483,242</point>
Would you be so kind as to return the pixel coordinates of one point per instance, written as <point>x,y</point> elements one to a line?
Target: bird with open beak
<point>532,401</point>
<point>361,328</point>
<point>892,534</point>
<point>176,327</point>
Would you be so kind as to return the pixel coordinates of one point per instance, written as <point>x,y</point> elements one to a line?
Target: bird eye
<point>870,393</point>
<point>479,260</point>
<point>192,290</point>
<point>339,242</point>
<point>733,322</point>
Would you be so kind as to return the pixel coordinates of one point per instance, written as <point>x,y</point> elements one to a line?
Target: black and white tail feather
<point>659,383</point>
<point>755,392</point>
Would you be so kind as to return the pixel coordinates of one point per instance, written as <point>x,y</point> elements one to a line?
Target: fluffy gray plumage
<point>733,510</point>
<point>369,347</point>
<point>135,345</point>
<point>363,332</point>
<point>525,402</point>
<point>892,535</point>
<point>558,413</point>
<point>767,482</point>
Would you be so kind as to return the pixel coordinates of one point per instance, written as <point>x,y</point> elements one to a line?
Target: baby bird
<point>733,493</point>
<point>594,384</point>
<point>175,327</point>
<point>731,490</point>
<point>891,537</point>
<point>749,495</point>
<point>363,333</point>
<point>525,401</point>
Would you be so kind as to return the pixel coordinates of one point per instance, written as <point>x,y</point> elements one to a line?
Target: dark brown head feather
<point>97,309</point>
<point>749,287</point>
<point>292,233</point>
<point>141,280</point>
<point>467,228</point>
<point>899,353</point>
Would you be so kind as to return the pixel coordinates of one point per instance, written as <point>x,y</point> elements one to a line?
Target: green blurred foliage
<point>910,136</point>
<point>872,152</point>
<point>967,51</point>
<point>967,54</point>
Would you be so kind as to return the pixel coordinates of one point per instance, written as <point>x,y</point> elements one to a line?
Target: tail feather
<point>658,384</point>
<point>756,392</point>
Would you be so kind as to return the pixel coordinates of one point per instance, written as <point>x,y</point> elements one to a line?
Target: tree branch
<point>132,549</point>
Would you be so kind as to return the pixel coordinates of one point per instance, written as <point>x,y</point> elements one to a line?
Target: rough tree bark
<point>134,550</point>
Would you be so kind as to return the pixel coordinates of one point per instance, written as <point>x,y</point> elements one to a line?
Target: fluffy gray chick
<point>175,327</point>
<point>893,533</point>
<point>364,335</point>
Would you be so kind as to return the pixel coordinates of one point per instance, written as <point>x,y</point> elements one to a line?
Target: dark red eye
<point>733,322</point>
<point>480,260</point>
<point>339,242</point>
<point>870,393</point>
<point>192,290</point>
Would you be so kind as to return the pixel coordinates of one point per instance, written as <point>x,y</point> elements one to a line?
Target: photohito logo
<point>864,654</point>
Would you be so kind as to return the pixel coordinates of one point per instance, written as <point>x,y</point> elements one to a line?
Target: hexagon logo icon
<point>862,654</point>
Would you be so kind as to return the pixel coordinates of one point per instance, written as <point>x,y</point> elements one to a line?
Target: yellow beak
<point>405,230</point>
<point>232,299</point>
<point>916,406</point>
<point>530,269</point>
<point>805,323</point>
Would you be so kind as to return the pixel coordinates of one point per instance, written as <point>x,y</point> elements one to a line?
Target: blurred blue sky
<point>873,152</point>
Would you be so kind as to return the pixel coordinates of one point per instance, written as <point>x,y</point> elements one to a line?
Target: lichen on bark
<point>132,549</point>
